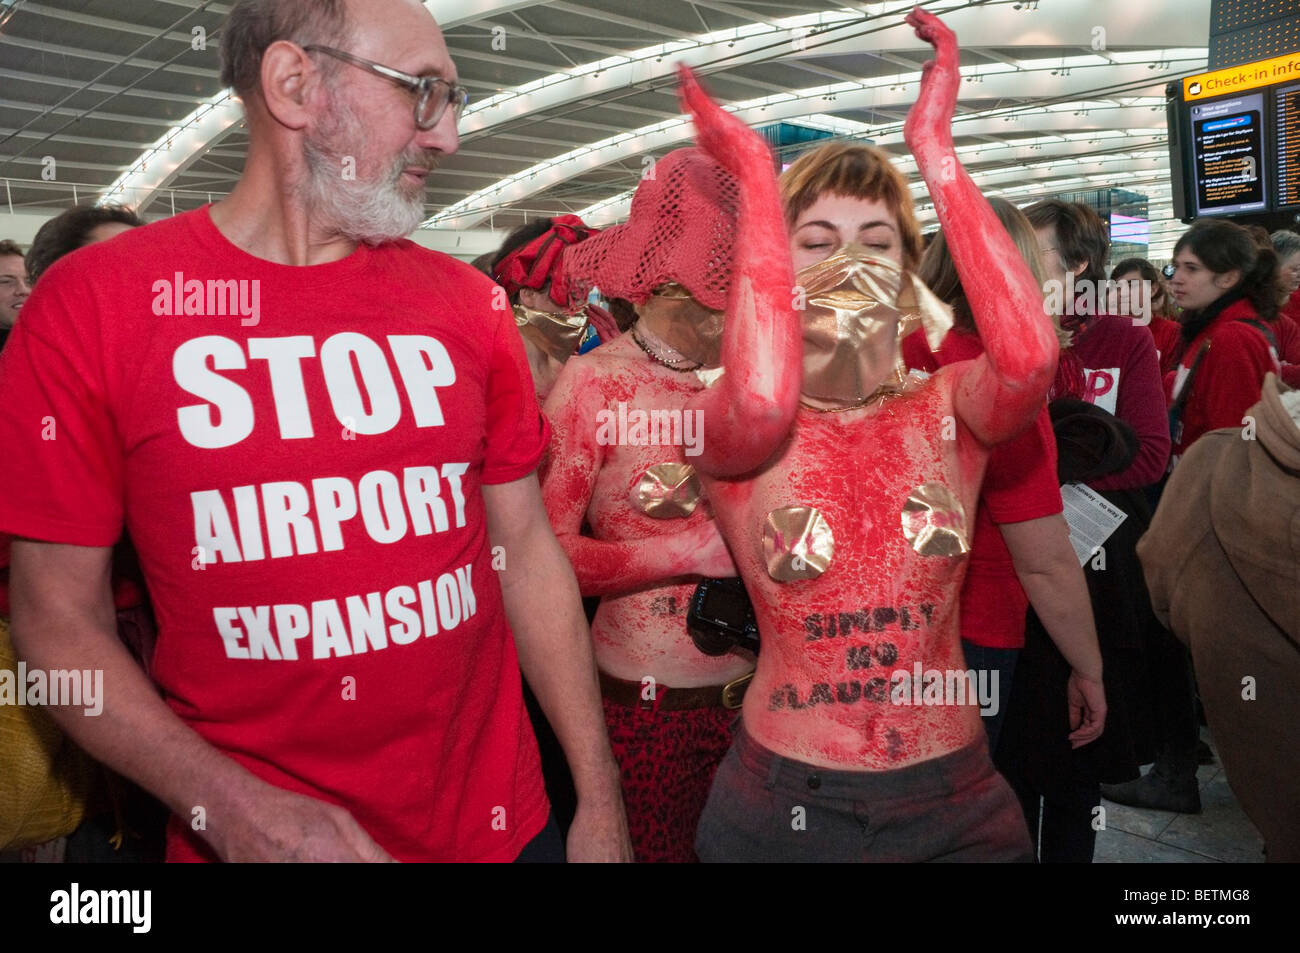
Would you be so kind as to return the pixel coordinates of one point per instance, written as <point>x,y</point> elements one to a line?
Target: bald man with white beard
<point>334,500</point>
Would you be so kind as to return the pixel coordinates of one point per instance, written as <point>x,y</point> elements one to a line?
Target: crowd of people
<point>756,528</point>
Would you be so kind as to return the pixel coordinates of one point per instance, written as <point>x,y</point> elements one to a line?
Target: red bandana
<point>536,263</point>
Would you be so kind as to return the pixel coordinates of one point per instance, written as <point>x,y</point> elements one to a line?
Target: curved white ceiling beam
<point>1020,161</point>
<point>192,136</point>
<point>997,81</point>
<point>750,43</point>
<point>1078,147</point>
<point>1066,169</point>
<point>184,143</point>
<point>1071,29</point>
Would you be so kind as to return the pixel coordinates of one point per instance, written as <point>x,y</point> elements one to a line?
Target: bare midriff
<point>825,688</point>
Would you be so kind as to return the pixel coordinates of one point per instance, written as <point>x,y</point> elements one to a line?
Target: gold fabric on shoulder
<point>919,307</point>
<point>668,491</point>
<point>934,521</point>
<point>797,543</point>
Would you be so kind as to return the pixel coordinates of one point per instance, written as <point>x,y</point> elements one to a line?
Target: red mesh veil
<point>681,229</point>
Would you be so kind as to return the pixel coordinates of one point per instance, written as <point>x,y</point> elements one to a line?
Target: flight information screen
<point>1287,109</point>
<point>1228,152</point>
<point>1234,143</point>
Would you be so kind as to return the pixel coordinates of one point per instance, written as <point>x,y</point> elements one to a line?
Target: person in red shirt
<point>1286,326</point>
<point>1116,358</point>
<point>1021,556</point>
<point>1020,550</point>
<point>322,440</point>
<point>1228,287</point>
<point>1154,301</point>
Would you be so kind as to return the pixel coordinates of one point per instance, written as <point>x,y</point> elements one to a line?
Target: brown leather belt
<point>635,694</point>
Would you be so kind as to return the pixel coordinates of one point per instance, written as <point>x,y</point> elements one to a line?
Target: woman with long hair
<point>1227,286</point>
<point>1021,556</point>
<point>1286,325</point>
<point>1152,305</point>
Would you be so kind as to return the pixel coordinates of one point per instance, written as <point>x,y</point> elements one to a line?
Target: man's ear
<point>289,79</point>
<point>1080,268</point>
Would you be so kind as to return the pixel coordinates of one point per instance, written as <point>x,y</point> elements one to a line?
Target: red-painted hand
<point>722,135</point>
<point>929,121</point>
<point>603,322</point>
<point>751,409</point>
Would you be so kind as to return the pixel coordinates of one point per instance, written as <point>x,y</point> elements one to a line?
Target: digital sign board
<point>1234,139</point>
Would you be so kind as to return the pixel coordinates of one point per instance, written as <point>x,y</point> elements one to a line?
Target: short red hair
<point>860,172</point>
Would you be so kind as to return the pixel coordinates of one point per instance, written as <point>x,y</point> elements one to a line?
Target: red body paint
<point>750,409</point>
<point>858,468</point>
<point>646,567</point>
<point>642,566</point>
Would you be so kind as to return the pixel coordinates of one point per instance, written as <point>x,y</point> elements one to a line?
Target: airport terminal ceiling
<point>572,100</point>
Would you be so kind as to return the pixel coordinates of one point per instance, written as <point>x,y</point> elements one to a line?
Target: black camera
<point>721,617</point>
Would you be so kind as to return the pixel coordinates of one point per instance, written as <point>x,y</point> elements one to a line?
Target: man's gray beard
<point>373,212</point>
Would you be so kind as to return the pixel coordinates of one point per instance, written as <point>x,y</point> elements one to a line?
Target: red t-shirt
<point>1292,307</point>
<point>1019,484</point>
<point>1230,377</point>
<point>1287,333</point>
<point>1166,335</point>
<point>1122,377</point>
<point>304,494</point>
<point>1291,358</point>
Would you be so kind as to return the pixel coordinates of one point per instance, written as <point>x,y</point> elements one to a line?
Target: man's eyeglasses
<point>433,94</point>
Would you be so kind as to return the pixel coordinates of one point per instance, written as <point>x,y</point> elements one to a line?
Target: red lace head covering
<point>680,230</point>
<point>534,264</point>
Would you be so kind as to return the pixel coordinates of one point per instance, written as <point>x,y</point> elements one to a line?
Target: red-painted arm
<point>609,567</point>
<point>749,411</point>
<point>1001,393</point>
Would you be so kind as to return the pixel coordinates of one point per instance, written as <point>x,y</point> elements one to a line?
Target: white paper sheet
<point>1091,517</point>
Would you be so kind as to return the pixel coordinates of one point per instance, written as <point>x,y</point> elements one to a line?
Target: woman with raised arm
<point>859,738</point>
<point>699,245</point>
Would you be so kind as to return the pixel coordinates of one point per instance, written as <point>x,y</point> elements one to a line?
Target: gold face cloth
<point>934,521</point>
<point>858,308</point>
<point>797,543</point>
<point>556,334</point>
<point>668,491</point>
<point>691,329</point>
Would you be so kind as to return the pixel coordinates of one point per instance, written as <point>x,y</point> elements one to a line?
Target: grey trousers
<point>766,808</point>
